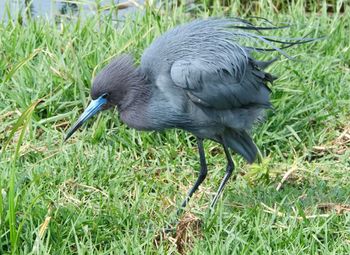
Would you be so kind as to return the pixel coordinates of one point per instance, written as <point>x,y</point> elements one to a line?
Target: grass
<point>111,189</point>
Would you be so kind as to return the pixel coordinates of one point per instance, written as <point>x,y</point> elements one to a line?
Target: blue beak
<point>94,107</point>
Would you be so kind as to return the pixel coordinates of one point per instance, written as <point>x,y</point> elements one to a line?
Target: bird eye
<point>105,95</point>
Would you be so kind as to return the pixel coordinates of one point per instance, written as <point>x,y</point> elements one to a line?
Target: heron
<point>200,77</point>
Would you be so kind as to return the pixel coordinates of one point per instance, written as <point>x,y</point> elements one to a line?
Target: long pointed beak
<point>94,107</point>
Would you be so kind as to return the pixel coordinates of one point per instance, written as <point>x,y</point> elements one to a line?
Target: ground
<point>111,189</point>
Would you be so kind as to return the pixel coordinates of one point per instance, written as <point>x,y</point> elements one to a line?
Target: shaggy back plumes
<point>226,41</point>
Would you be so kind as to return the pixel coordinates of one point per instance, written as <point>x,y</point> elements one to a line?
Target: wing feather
<point>218,87</point>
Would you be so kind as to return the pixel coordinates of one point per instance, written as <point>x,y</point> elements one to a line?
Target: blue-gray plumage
<point>200,77</point>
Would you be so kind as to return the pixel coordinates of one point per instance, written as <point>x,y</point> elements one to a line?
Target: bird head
<point>109,89</point>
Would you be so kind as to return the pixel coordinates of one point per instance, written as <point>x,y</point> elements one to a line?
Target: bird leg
<point>202,174</point>
<point>229,169</point>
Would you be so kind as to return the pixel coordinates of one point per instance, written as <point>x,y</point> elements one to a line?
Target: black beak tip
<point>66,138</point>
<point>70,133</point>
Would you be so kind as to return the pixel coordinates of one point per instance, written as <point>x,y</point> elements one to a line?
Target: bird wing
<point>222,85</point>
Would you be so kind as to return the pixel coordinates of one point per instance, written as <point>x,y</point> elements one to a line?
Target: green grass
<point>111,189</point>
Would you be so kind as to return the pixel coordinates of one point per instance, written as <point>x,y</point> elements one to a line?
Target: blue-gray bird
<point>200,77</point>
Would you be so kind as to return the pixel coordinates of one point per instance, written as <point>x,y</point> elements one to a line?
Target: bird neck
<point>137,92</point>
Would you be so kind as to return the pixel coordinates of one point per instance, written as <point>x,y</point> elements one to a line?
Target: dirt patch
<point>338,208</point>
<point>183,236</point>
<point>188,229</point>
<point>336,147</point>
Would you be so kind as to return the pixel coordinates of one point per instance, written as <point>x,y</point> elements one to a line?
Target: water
<point>52,8</point>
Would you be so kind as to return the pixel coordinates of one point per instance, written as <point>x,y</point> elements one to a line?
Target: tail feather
<point>241,143</point>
